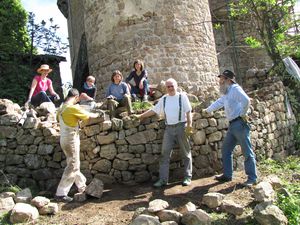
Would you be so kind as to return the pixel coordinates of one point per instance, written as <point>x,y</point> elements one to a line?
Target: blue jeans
<point>40,98</point>
<point>136,90</point>
<point>238,133</point>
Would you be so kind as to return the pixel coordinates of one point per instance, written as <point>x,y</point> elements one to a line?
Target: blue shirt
<point>235,102</point>
<point>117,90</point>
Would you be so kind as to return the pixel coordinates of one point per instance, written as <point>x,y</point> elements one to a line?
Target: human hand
<point>189,131</point>
<point>110,97</point>
<point>56,97</point>
<point>26,105</point>
<point>141,86</point>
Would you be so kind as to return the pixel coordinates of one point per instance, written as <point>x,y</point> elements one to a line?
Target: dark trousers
<point>40,98</point>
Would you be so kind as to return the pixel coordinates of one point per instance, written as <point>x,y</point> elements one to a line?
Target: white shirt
<point>171,110</point>
<point>235,102</point>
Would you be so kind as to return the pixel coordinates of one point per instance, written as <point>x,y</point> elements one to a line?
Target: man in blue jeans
<point>236,103</point>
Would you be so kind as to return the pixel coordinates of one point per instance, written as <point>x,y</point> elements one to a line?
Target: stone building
<point>174,38</point>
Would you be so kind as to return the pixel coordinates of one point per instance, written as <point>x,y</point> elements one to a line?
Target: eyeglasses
<point>171,86</point>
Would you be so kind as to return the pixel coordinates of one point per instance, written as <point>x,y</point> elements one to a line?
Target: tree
<point>44,36</point>
<point>13,33</point>
<point>273,20</point>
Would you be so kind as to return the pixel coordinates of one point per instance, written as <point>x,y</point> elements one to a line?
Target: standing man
<point>69,115</point>
<point>177,110</point>
<point>236,103</point>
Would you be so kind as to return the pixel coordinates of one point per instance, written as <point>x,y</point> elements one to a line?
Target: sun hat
<point>44,67</point>
<point>228,74</point>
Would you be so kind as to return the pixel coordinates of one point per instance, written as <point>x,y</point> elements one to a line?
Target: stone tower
<point>173,37</point>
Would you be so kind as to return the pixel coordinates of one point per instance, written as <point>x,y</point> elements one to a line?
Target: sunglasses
<point>171,86</point>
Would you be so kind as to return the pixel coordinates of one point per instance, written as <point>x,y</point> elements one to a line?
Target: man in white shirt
<point>177,110</point>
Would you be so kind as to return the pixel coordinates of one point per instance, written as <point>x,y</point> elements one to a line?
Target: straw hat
<point>44,67</point>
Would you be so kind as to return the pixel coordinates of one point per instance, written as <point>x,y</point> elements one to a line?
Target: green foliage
<point>141,106</point>
<point>13,33</point>
<point>252,42</point>
<point>290,205</point>
<point>13,82</point>
<point>273,20</point>
<point>217,26</point>
<point>4,219</point>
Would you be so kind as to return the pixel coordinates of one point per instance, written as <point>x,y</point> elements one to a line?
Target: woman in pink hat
<point>40,84</point>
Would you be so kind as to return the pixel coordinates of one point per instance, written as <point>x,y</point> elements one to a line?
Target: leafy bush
<point>290,205</point>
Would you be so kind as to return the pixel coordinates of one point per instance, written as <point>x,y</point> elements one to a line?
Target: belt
<point>175,125</point>
<point>238,118</point>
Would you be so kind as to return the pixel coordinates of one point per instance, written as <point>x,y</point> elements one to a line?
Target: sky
<point>44,10</point>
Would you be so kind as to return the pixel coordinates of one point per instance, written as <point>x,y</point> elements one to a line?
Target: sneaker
<point>186,181</point>
<point>160,183</point>
<point>222,178</point>
<point>248,183</point>
<point>64,198</point>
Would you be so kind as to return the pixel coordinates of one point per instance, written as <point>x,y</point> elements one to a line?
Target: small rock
<point>188,207</point>
<point>230,206</point>
<point>22,213</point>
<point>213,200</point>
<point>157,205</point>
<point>145,220</point>
<point>50,209</point>
<point>23,196</point>
<point>266,213</point>
<point>40,201</point>
<point>79,197</point>
<point>196,217</point>
<point>95,188</point>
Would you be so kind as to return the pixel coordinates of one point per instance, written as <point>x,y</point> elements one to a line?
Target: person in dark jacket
<point>140,85</point>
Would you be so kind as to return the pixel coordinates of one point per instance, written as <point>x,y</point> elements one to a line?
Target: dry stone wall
<point>126,151</point>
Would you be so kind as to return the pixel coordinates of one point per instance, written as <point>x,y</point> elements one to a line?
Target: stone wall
<point>128,151</point>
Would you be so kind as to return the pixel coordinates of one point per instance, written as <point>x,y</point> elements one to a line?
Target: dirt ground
<point>119,202</point>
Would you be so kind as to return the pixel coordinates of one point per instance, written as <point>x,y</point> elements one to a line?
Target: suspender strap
<point>180,108</point>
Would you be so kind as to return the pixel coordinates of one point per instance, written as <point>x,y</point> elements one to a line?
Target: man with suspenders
<point>178,117</point>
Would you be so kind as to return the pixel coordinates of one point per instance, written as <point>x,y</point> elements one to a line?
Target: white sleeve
<point>159,107</point>
<point>216,105</point>
<point>186,103</point>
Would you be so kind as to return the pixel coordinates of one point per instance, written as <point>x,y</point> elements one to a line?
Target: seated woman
<point>89,91</point>
<point>140,77</point>
<point>118,94</point>
<point>40,84</point>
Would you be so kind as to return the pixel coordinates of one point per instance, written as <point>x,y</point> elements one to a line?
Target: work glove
<point>135,117</point>
<point>189,131</point>
<point>245,118</point>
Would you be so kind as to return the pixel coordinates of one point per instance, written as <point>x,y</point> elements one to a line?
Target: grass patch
<point>4,219</point>
<point>286,170</point>
<point>141,106</point>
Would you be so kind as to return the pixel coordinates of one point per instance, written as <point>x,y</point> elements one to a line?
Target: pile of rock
<point>24,208</point>
<point>264,212</point>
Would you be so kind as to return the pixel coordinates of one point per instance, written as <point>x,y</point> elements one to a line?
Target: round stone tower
<point>173,37</point>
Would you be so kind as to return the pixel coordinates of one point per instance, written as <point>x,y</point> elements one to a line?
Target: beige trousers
<point>70,144</point>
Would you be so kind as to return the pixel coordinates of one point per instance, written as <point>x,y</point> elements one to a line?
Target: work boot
<point>160,183</point>
<point>222,178</point>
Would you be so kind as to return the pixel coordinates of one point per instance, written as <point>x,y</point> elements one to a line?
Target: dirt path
<point>119,202</point>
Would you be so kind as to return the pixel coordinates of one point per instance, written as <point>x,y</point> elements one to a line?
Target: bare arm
<point>147,114</point>
<point>51,90</point>
<point>32,88</point>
